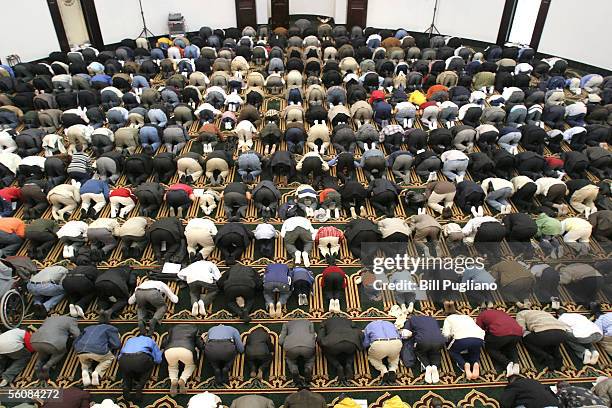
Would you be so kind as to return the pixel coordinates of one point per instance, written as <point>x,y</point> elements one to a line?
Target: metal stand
<point>432,29</point>
<point>146,33</point>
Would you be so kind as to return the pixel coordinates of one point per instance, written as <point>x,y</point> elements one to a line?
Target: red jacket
<point>334,269</point>
<point>123,192</point>
<point>498,323</point>
<point>181,186</point>
<point>11,193</point>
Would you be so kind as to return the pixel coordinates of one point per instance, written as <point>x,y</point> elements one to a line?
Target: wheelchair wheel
<point>12,309</point>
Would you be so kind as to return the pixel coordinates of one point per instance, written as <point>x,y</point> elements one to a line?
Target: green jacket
<point>548,226</point>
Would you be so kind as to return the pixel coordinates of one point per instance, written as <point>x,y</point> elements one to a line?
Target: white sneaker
<point>95,378</point>
<point>337,304</point>
<point>194,309</point>
<point>428,379</point>
<point>298,257</point>
<point>516,369</point>
<point>306,260</point>
<point>594,357</point>
<point>202,308</point>
<point>79,311</point>
<point>510,369</point>
<point>73,312</point>
<point>332,306</point>
<point>86,379</point>
<point>435,375</point>
<point>586,359</point>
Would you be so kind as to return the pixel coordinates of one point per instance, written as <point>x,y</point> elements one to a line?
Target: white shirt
<point>34,161</point>
<point>453,155</point>
<point>201,224</point>
<point>295,222</point>
<point>73,229</point>
<point>153,284</point>
<point>200,271</point>
<point>496,183</point>
<point>472,225</point>
<point>264,231</point>
<point>204,400</point>
<point>7,142</point>
<point>580,325</point>
<point>520,181</point>
<point>459,326</point>
<point>545,183</point>
<point>10,160</point>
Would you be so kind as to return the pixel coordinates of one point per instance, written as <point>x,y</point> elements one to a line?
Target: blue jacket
<point>95,187</point>
<point>98,339</point>
<point>102,78</point>
<point>304,274</point>
<point>425,329</point>
<point>142,344</point>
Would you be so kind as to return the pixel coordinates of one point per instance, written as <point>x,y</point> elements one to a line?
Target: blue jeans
<point>46,293</point>
<point>283,290</point>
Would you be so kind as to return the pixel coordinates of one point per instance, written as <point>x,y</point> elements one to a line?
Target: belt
<point>395,338</point>
<point>220,340</point>
<point>137,353</point>
<point>43,283</point>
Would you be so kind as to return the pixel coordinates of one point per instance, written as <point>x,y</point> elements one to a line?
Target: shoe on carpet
<point>428,379</point>
<point>95,378</point>
<point>86,379</point>
<point>586,359</point>
<point>435,375</point>
<point>173,388</point>
<point>594,357</point>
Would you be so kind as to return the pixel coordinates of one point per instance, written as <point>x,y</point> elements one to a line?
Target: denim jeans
<point>48,294</point>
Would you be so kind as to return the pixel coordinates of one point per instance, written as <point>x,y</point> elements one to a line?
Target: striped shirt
<point>80,163</point>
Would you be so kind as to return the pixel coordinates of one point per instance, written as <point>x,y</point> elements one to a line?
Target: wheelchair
<point>12,295</point>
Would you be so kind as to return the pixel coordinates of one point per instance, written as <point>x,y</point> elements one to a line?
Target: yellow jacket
<point>395,402</point>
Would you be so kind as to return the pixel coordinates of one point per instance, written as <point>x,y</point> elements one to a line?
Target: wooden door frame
<point>348,12</point>
<point>237,4</point>
<point>58,24</point>
<point>92,23</point>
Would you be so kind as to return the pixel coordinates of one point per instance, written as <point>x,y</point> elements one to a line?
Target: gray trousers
<point>48,355</point>
<point>104,236</point>
<point>499,198</point>
<point>580,345</point>
<point>11,364</point>
<point>150,298</point>
<point>401,167</point>
<point>291,360</point>
<point>206,292</point>
<point>107,169</point>
<point>299,233</point>
<point>453,168</point>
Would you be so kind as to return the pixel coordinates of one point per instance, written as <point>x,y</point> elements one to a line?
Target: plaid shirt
<point>390,130</point>
<point>325,232</point>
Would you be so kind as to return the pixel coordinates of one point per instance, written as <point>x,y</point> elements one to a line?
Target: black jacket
<point>359,225</point>
<point>238,228</point>
<point>336,329</point>
<point>240,275</point>
<point>529,393</point>
<point>185,336</point>
<point>259,343</point>
<point>122,277</point>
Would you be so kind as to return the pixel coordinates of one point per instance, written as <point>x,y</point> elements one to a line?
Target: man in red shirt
<point>179,198</point>
<point>502,335</point>
<point>333,283</point>
<point>8,196</point>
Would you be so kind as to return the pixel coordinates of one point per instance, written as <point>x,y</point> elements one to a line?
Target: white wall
<point>569,33</point>
<point>315,7</point>
<point>472,19</point>
<point>262,9</point>
<point>197,13</point>
<point>340,12</point>
<point>31,22</point>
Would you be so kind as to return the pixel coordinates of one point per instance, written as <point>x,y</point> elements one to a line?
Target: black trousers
<point>502,349</point>
<point>178,198</point>
<point>135,369</point>
<point>174,250</point>
<point>234,291</point>
<point>220,355</point>
<point>164,168</point>
<point>80,290</point>
<point>149,204</point>
<point>341,356</point>
<point>360,245</point>
<point>523,197</point>
<point>428,353</point>
<point>231,247</point>
<point>41,243</point>
<point>312,165</point>
<point>332,286</point>
<point>107,289</point>
<point>385,202</point>
<point>265,247</point>
<point>303,287</point>
<point>545,345</point>
<point>255,362</point>
<point>488,237</point>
